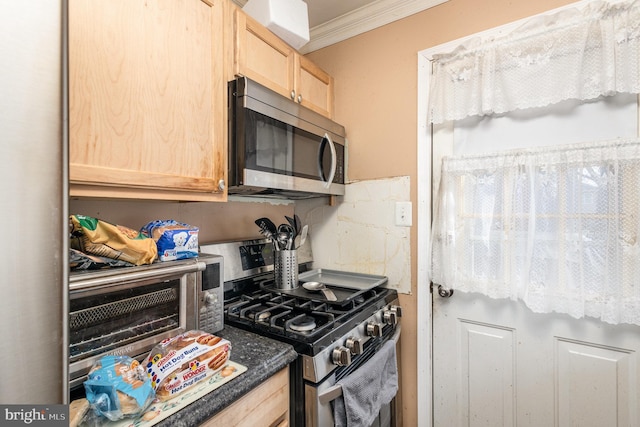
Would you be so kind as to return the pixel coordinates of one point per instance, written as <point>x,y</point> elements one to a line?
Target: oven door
<point>127,314</point>
<point>319,397</point>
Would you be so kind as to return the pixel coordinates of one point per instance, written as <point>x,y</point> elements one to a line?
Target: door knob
<point>444,292</point>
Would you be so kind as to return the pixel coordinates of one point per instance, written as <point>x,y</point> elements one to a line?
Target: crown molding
<point>361,20</point>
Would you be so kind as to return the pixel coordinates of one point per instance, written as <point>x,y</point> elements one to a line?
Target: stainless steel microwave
<point>126,311</point>
<point>278,148</point>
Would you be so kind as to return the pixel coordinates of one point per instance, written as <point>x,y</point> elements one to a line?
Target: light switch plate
<point>403,214</point>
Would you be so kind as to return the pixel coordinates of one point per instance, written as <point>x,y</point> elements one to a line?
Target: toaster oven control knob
<point>354,345</point>
<point>390,317</point>
<point>374,329</point>
<point>341,356</point>
<point>210,299</point>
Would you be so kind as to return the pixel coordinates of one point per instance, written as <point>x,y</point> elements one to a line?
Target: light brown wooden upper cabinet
<point>262,56</point>
<point>147,99</point>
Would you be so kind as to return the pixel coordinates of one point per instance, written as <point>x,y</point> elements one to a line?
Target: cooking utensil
<point>298,223</point>
<point>320,287</point>
<point>267,228</point>
<point>303,236</point>
<point>292,223</point>
<point>285,237</point>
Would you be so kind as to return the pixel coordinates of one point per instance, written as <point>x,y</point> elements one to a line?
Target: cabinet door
<point>314,87</point>
<point>266,405</point>
<point>262,56</point>
<point>147,111</point>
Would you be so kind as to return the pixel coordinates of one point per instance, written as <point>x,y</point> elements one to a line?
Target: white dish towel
<point>366,390</point>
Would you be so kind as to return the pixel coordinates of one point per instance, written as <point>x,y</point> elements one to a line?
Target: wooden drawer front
<point>267,405</point>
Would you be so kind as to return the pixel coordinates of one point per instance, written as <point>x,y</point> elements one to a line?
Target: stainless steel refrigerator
<point>33,217</point>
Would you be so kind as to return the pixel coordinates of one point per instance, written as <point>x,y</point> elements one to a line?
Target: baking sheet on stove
<point>344,285</point>
<point>342,295</point>
<point>343,279</point>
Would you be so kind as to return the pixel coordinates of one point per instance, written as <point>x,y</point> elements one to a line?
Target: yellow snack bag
<point>98,237</point>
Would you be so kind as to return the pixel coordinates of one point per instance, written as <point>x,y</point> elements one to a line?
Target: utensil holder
<point>285,263</point>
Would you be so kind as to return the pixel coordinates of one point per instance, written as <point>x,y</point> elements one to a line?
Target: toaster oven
<point>126,311</point>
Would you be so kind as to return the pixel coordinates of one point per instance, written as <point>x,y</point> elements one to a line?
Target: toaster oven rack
<point>94,315</point>
<point>109,322</point>
<point>120,338</point>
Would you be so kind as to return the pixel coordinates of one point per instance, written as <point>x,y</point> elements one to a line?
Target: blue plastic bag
<point>118,387</point>
<point>174,240</point>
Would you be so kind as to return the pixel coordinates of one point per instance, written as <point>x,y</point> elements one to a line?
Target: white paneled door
<point>496,363</point>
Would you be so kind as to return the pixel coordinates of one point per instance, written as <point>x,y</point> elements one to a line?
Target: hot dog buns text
<point>176,364</point>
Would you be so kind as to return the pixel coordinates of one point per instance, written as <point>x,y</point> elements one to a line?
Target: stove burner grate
<point>301,321</point>
<point>261,316</point>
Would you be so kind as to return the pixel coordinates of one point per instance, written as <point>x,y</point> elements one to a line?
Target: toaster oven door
<point>126,317</point>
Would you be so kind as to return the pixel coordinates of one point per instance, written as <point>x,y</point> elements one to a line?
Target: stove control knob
<point>390,317</point>
<point>354,345</point>
<point>397,310</point>
<point>374,329</point>
<point>341,356</point>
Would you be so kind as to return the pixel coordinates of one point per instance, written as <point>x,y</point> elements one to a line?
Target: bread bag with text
<point>178,363</point>
<point>174,240</point>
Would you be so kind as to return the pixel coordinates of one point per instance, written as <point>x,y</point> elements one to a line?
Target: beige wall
<point>376,100</point>
<point>216,221</point>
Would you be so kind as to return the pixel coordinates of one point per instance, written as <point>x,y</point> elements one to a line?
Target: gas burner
<point>258,313</point>
<point>303,324</point>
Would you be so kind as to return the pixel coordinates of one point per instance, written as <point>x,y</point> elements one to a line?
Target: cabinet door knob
<point>221,185</point>
<point>299,99</point>
<point>293,94</point>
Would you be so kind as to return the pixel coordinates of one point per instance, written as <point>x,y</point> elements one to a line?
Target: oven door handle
<point>335,391</point>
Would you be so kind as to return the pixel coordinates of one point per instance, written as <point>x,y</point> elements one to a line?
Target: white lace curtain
<point>557,229</point>
<point>574,54</point>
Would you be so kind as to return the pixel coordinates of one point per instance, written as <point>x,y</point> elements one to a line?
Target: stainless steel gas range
<point>333,338</point>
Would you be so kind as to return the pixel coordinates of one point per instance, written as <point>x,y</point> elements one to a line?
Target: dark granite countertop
<point>263,358</point>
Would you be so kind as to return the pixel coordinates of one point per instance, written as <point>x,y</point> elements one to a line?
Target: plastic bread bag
<point>81,261</point>
<point>118,387</point>
<point>97,237</point>
<point>174,240</point>
<point>178,363</point>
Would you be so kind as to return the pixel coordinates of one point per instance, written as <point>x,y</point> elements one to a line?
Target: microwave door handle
<point>334,160</point>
